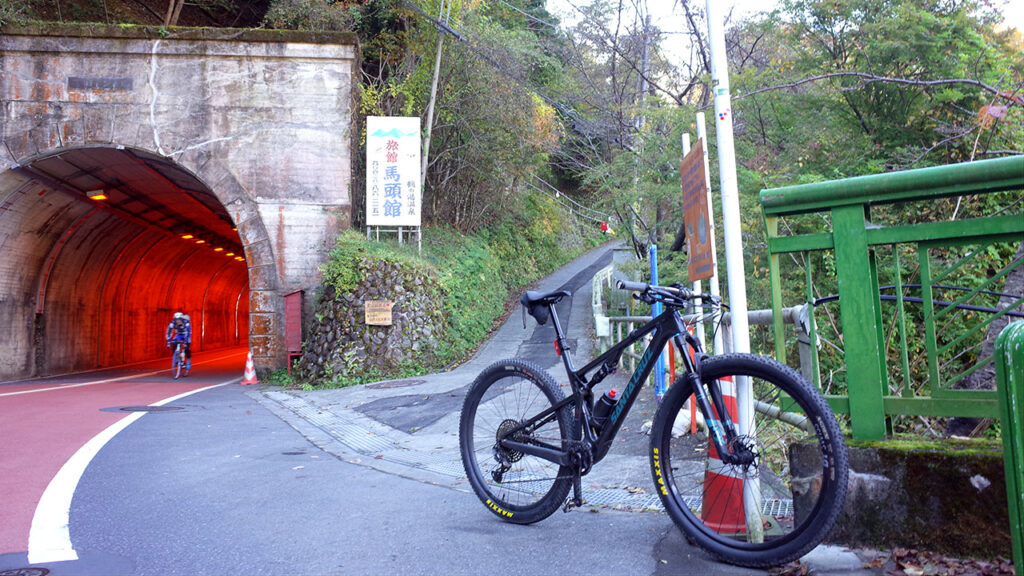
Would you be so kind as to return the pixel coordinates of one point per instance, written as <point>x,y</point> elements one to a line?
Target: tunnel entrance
<point>101,246</point>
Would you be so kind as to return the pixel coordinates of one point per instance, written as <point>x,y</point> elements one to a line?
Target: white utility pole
<point>733,247</point>
<point>442,14</point>
<point>702,133</point>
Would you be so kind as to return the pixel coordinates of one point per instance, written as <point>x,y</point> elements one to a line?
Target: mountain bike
<point>761,486</point>
<point>179,363</point>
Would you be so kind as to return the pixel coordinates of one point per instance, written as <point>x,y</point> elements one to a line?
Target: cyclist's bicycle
<point>179,361</point>
<point>731,490</point>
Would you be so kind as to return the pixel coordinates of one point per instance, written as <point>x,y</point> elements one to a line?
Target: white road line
<point>104,381</point>
<point>49,539</point>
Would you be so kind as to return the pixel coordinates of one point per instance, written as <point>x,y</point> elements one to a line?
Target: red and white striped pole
<point>722,508</point>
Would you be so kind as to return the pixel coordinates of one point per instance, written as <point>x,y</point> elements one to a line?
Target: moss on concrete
<point>948,496</point>
<point>146,32</point>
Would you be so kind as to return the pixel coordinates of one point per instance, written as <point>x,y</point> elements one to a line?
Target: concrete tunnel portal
<point>101,245</point>
<point>205,142</point>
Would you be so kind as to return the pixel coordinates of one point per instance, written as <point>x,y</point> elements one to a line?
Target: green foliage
<point>343,270</point>
<point>281,378</point>
<point>315,15</point>
<point>13,11</point>
<point>479,275</point>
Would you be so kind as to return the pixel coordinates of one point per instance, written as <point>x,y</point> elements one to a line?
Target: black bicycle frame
<point>665,327</point>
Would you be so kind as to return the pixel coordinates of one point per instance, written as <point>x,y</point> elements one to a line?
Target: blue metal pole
<point>659,364</point>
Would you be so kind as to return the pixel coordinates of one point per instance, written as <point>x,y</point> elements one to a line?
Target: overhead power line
<point>447,29</point>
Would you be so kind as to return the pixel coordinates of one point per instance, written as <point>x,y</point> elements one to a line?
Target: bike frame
<point>667,326</point>
<point>179,350</point>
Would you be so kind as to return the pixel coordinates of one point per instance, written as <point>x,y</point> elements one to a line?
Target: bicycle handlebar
<point>632,286</point>
<point>644,288</point>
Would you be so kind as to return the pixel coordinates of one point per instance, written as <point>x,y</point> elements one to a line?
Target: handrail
<point>980,177</point>
<point>1010,376</point>
<point>897,360</point>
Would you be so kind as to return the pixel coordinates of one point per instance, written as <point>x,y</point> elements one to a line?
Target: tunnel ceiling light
<point>239,258</point>
<point>187,236</point>
<point>200,241</point>
<point>218,249</point>
<point>230,254</point>
<point>96,194</point>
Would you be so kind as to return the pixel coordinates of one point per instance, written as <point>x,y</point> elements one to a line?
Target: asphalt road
<point>219,485</point>
<point>221,479</point>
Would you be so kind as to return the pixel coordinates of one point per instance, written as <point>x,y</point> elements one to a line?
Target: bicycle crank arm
<point>550,454</point>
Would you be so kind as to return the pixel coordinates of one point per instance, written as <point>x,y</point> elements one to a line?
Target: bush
<point>478,275</point>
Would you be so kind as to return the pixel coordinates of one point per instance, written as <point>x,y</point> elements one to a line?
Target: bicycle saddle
<point>536,303</point>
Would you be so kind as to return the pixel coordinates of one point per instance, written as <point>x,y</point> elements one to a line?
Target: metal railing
<point>902,353</point>
<point>1010,375</point>
<point>612,329</point>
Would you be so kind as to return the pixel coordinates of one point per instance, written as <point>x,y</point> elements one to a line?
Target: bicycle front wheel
<point>516,487</point>
<point>176,363</point>
<point>784,499</point>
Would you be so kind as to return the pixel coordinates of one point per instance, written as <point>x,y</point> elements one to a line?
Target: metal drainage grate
<point>25,572</point>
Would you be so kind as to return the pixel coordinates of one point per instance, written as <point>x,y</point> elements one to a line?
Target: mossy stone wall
<point>339,343</point>
<point>947,497</point>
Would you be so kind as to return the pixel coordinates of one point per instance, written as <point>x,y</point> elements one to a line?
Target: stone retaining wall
<point>339,343</point>
<point>946,496</point>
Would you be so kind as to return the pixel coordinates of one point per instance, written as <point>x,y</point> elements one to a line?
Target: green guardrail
<point>895,303</point>
<point>1010,378</point>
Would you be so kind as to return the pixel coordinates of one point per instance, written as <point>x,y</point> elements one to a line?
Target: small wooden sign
<point>378,312</point>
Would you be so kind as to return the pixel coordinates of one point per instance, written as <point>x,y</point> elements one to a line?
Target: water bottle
<point>603,407</point>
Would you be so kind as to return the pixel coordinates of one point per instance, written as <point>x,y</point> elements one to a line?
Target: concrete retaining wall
<point>946,496</point>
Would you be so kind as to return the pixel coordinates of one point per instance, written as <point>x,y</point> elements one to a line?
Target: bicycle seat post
<point>564,349</point>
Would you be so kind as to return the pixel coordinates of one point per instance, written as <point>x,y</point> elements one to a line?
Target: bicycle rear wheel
<point>794,487</point>
<point>516,487</point>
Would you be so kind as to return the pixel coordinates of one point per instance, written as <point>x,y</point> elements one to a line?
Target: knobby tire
<point>516,487</point>
<point>701,493</point>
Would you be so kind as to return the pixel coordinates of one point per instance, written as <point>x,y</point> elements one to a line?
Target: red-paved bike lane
<point>42,424</point>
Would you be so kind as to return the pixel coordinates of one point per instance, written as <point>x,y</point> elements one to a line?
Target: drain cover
<point>139,409</point>
<point>25,572</point>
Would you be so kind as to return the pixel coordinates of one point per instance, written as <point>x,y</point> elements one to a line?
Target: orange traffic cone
<point>250,371</point>
<point>722,509</point>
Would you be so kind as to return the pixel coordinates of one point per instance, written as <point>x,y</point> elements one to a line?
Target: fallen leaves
<point>911,562</point>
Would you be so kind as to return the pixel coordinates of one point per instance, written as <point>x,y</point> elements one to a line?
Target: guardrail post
<point>1009,359</point>
<point>861,322</point>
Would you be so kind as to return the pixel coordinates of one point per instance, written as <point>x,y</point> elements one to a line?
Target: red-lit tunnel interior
<point>89,282</point>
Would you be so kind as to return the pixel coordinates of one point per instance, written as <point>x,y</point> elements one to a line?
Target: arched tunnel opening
<point>100,247</point>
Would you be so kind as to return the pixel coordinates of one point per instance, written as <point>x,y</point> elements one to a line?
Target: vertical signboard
<point>392,171</point>
<point>699,244</point>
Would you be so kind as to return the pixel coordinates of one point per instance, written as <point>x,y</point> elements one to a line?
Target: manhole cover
<point>140,409</point>
<point>395,384</point>
<point>25,572</point>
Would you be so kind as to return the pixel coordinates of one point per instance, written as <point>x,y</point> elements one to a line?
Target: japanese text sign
<point>393,192</point>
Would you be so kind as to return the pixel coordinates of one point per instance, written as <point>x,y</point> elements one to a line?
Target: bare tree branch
<point>871,79</point>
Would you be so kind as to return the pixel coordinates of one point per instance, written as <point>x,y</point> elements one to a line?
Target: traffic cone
<point>722,508</point>
<point>250,371</point>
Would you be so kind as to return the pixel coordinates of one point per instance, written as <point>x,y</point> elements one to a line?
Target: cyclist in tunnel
<point>180,330</point>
